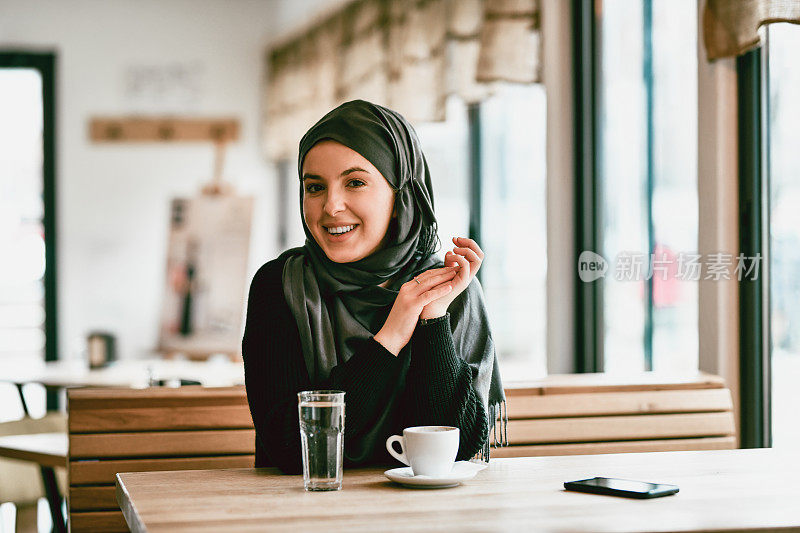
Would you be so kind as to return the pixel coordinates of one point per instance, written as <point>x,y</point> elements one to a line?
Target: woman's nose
<point>334,203</point>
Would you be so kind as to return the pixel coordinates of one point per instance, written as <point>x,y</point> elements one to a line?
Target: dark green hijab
<point>339,305</point>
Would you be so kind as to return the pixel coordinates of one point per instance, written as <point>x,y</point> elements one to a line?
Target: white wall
<point>112,200</point>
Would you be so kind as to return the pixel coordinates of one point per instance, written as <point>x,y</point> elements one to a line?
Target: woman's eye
<point>313,187</point>
<point>356,183</point>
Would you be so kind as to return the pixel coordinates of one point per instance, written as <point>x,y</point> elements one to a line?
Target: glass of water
<point>322,438</point>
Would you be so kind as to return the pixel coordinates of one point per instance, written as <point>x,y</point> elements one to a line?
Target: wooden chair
<point>140,430</point>
<point>599,413</point>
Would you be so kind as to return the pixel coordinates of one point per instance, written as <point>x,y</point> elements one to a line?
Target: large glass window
<point>648,175</point>
<point>784,137</point>
<point>514,226</point>
<point>22,246</point>
<point>446,148</point>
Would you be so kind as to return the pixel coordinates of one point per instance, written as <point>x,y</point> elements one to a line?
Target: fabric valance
<point>409,55</point>
<point>730,28</point>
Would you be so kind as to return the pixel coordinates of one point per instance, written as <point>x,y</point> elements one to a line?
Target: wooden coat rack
<point>220,131</point>
<point>165,129</point>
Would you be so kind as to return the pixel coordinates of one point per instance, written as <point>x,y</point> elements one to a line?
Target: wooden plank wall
<point>129,430</point>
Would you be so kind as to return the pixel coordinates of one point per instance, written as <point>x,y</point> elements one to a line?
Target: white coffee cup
<point>428,450</point>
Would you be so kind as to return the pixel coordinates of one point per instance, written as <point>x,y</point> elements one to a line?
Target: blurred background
<point>88,224</point>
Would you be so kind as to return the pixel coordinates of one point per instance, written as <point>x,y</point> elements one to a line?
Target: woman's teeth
<point>340,229</point>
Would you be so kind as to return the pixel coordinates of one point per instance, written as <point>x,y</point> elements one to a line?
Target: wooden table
<point>48,450</point>
<point>45,449</point>
<point>721,490</point>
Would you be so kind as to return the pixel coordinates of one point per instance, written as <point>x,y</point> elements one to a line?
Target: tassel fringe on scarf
<point>492,441</point>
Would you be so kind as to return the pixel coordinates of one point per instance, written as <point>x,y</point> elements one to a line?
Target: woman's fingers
<point>464,274</point>
<point>429,281</point>
<point>469,249</point>
<point>469,253</point>
<point>436,292</point>
<point>449,259</point>
<point>434,272</point>
<point>459,281</point>
<point>432,281</point>
<point>468,243</point>
<point>461,264</point>
<point>472,266</point>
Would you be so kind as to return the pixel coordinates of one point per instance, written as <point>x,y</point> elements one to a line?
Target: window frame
<point>475,168</point>
<point>589,323</point>
<point>45,63</point>
<point>755,347</point>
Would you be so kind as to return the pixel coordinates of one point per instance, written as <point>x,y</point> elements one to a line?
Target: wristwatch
<point>426,321</point>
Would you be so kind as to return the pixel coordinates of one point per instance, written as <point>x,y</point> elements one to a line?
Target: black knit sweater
<point>437,391</point>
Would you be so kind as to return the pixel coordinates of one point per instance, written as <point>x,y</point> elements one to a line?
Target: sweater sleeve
<point>439,387</point>
<point>275,371</point>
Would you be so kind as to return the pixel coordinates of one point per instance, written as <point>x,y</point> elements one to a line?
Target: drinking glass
<point>322,438</point>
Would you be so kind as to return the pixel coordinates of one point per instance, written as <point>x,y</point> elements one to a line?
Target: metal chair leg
<point>53,499</point>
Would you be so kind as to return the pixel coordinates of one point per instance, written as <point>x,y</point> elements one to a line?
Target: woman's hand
<point>468,256</point>
<point>414,295</point>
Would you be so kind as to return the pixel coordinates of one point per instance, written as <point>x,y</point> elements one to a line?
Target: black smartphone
<point>621,487</point>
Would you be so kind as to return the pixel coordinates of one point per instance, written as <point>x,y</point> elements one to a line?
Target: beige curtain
<point>730,27</point>
<point>409,55</point>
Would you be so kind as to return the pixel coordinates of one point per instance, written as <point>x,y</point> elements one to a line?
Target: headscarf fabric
<point>339,305</point>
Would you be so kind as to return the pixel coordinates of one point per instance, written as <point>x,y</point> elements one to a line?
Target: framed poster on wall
<point>206,275</point>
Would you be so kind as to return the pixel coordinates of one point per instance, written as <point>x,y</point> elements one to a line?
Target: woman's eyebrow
<point>353,169</point>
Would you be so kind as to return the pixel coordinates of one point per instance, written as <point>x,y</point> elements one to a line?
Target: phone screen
<point>621,484</point>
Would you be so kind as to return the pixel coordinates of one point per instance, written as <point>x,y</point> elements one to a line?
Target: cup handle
<point>390,448</point>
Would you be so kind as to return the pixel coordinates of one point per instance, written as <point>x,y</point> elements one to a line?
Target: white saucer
<point>462,471</point>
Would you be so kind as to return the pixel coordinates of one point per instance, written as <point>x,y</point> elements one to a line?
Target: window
<point>784,137</point>
<point>511,216</point>
<point>514,227</point>
<point>446,148</point>
<point>648,166</point>
<point>27,279</point>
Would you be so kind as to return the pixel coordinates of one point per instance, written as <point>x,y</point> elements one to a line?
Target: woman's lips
<point>340,237</point>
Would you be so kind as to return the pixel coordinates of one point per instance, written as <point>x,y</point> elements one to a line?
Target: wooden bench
<point>140,430</point>
<point>599,413</point>
<point>126,430</point>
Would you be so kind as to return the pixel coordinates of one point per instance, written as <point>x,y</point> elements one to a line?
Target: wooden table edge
<point>42,458</point>
<point>128,509</point>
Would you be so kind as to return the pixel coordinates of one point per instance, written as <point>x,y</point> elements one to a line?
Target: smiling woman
<point>366,306</point>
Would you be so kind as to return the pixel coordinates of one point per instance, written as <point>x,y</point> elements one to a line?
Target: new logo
<point>591,266</point>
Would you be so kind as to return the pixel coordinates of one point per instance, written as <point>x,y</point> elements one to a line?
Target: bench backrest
<point>600,413</point>
<point>140,430</point>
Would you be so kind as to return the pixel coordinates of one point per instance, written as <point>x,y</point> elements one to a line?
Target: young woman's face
<point>347,203</point>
